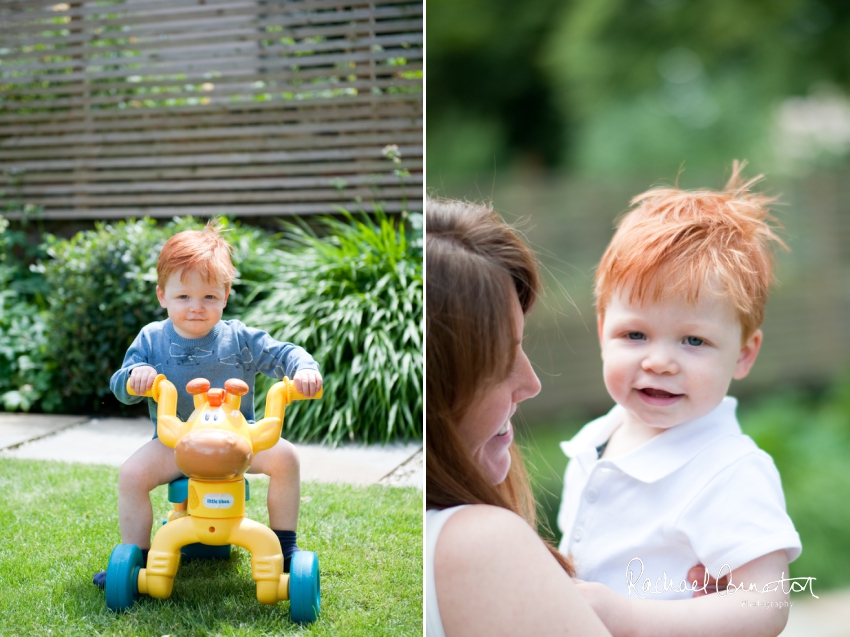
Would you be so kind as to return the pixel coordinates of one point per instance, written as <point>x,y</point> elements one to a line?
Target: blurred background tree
<point>636,86</point>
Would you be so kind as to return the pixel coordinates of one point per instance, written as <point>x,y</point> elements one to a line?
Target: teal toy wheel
<point>305,593</point>
<point>122,576</point>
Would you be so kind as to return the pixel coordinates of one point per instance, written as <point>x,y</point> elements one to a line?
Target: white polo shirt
<point>699,493</point>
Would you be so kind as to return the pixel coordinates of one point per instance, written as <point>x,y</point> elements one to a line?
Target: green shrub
<point>101,294</point>
<point>24,371</point>
<point>353,299</point>
<point>25,375</point>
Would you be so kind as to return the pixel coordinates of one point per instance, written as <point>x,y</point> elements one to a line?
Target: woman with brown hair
<point>488,572</point>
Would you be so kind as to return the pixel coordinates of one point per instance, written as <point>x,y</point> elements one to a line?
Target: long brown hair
<point>474,264</point>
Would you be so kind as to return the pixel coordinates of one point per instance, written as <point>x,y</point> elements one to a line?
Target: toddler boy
<point>666,480</point>
<point>194,275</point>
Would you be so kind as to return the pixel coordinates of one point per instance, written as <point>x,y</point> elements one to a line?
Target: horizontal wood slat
<point>169,120</point>
<point>191,110</point>
<point>337,169</point>
<point>132,151</point>
<point>189,17</point>
<point>233,197</point>
<point>346,126</point>
<point>278,209</point>
<point>215,184</point>
<point>240,107</point>
<point>19,169</point>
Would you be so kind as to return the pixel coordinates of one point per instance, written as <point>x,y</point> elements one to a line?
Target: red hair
<point>683,242</point>
<point>204,251</point>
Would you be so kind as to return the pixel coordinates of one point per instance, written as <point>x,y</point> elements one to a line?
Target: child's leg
<point>281,464</point>
<point>152,465</point>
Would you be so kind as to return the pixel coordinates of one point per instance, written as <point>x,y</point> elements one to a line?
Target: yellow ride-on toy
<point>214,448</point>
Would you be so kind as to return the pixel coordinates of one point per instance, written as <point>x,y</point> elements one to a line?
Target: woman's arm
<point>494,576</point>
<point>732,613</point>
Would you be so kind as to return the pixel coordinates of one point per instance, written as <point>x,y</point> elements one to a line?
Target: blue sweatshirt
<point>230,350</point>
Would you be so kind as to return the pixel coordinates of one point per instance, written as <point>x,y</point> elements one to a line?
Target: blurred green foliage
<point>489,97</point>
<point>23,321</point>
<point>353,298</point>
<point>808,435</point>
<point>623,86</point>
<point>101,287</point>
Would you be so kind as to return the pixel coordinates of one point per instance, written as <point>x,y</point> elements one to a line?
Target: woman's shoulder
<point>494,575</point>
<point>473,532</point>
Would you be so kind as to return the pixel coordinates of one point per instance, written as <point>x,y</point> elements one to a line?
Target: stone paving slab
<point>18,428</point>
<point>825,616</point>
<point>111,441</point>
<point>411,473</point>
<point>98,441</point>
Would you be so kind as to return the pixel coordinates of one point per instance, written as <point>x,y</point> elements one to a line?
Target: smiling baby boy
<point>666,480</point>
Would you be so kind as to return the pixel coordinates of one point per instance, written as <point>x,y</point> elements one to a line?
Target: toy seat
<point>178,494</point>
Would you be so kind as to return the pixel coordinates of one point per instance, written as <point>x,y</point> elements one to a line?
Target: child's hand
<point>308,382</point>
<point>141,379</point>
<point>705,586</point>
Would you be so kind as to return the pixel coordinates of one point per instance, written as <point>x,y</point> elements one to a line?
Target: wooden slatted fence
<point>120,108</point>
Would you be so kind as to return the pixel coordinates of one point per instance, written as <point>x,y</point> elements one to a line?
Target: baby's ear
<point>749,352</point>
<point>160,294</point>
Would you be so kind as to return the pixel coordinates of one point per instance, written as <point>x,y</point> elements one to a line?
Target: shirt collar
<point>660,456</point>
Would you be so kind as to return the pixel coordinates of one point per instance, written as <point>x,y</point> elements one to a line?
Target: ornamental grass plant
<point>349,290</point>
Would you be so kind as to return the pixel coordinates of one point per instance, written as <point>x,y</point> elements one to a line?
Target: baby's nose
<point>660,360</point>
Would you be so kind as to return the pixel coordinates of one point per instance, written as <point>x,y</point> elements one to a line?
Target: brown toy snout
<point>213,454</point>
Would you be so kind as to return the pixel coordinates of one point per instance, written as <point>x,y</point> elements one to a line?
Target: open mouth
<point>657,393</point>
<point>504,430</point>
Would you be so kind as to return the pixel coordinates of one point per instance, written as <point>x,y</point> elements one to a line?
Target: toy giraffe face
<point>217,444</point>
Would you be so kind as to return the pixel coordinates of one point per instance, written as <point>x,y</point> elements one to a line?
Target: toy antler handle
<point>164,394</point>
<point>282,394</point>
<point>294,394</point>
<point>266,432</point>
<point>153,392</point>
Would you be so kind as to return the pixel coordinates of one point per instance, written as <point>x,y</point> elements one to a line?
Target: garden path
<point>112,440</point>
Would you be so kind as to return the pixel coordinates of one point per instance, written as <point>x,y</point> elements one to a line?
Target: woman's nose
<point>660,360</point>
<point>529,385</point>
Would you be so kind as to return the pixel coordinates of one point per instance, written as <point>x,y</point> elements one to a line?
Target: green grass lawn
<point>59,524</point>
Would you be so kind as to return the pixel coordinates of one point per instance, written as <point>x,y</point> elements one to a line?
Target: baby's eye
<point>636,336</point>
<point>183,296</point>
<point>695,341</point>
